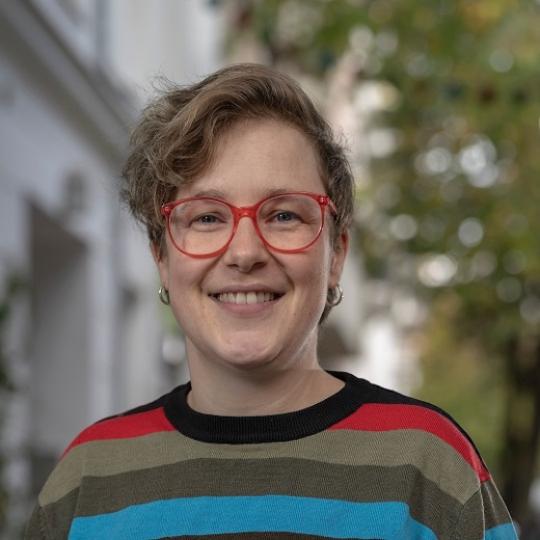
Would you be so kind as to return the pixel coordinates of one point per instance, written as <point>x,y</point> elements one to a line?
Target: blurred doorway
<point>59,331</point>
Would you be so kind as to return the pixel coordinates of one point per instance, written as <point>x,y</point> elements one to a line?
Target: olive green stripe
<point>496,512</point>
<point>344,447</point>
<point>482,512</point>
<point>55,518</point>
<point>293,477</point>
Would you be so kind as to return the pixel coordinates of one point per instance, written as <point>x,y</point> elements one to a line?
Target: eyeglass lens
<point>286,222</point>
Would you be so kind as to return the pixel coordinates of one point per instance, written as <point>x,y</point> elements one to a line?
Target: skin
<point>262,359</point>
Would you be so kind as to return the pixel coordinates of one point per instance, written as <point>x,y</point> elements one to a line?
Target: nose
<point>246,250</point>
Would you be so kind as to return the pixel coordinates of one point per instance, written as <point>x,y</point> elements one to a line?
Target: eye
<point>208,222</point>
<point>207,218</point>
<point>285,216</point>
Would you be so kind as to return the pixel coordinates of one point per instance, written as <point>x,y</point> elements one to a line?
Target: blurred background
<point>438,103</point>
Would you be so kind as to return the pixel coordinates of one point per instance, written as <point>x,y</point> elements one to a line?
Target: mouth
<point>246,297</point>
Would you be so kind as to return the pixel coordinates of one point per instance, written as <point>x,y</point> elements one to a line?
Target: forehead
<point>255,158</point>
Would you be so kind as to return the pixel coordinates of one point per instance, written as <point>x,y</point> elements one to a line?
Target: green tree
<point>453,211</point>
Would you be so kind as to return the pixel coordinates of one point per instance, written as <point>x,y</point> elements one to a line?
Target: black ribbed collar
<point>271,428</point>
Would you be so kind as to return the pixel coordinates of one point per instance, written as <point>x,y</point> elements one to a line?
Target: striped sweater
<point>365,463</point>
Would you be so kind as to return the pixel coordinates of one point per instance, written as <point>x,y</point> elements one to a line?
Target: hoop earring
<point>163,294</point>
<point>335,296</point>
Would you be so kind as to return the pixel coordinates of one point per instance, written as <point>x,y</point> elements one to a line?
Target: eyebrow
<point>216,193</point>
<point>209,193</point>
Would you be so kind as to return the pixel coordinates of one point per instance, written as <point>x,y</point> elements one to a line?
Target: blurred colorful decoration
<point>449,205</point>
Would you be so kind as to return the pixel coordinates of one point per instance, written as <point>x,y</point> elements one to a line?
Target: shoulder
<point>143,420</point>
<point>102,448</point>
<point>96,445</point>
<point>430,429</point>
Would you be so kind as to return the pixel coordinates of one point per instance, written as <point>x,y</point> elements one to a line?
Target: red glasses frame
<point>250,212</point>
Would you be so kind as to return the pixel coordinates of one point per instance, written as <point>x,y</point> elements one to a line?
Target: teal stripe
<point>270,513</point>
<point>501,532</point>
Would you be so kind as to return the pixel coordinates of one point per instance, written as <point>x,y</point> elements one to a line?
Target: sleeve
<point>57,501</point>
<point>51,522</point>
<point>485,517</point>
<point>36,527</point>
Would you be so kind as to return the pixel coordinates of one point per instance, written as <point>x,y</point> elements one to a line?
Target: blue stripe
<point>501,532</point>
<point>271,513</point>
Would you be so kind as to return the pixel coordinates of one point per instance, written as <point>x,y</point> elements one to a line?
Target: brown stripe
<point>293,477</point>
<point>54,520</point>
<point>102,458</point>
<point>496,512</point>
<point>481,514</point>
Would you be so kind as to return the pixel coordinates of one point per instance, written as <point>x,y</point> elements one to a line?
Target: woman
<point>247,201</point>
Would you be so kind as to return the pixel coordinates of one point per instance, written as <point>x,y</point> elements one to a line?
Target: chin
<point>247,354</point>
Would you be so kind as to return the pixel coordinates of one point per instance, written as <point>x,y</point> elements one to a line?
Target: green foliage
<point>459,378</point>
<point>453,210</point>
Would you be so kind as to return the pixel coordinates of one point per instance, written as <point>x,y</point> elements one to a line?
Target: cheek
<point>185,293</point>
<point>313,272</point>
<point>185,275</point>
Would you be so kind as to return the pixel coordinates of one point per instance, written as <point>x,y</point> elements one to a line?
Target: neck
<point>231,391</point>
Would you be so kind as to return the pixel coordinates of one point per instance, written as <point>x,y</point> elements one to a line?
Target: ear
<point>340,250</point>
<point>160,258</point>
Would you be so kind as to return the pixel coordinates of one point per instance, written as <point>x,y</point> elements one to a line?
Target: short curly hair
<point>176,138</point>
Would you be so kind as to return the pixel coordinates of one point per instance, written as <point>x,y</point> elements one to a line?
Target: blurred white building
<point>85,336</point>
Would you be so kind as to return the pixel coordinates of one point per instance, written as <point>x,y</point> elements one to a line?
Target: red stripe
<point>388,417</point>
<point>124,427</point>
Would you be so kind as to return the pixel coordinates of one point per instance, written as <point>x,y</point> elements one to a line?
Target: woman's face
<point>253,159</point>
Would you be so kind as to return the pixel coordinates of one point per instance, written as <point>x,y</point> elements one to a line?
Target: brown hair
<point>176,138</point>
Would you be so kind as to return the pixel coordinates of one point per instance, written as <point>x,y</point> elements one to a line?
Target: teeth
<point>250,297</point>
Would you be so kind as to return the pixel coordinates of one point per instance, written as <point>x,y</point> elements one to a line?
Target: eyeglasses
<point>205,226</point>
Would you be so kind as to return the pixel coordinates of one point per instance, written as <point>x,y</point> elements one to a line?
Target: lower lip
<point>247,309</point>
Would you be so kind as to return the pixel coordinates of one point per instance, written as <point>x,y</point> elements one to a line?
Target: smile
<point>251,297</point>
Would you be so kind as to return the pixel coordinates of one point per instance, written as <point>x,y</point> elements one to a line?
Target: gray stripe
<point>437,460</point>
